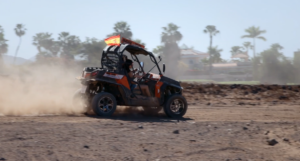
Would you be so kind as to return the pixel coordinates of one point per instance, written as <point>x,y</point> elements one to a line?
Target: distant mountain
<point>8,59</point>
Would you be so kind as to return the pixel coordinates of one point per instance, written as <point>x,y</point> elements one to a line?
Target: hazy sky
<point>95,18</point>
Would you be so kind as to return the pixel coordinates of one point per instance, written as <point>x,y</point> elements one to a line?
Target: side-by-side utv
<point>105,87</point>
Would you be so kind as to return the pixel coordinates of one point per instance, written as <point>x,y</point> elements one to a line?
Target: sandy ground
<point>223,122</point>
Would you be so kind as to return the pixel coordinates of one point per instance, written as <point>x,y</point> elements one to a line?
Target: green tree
<point>297,65</point>
<point>276,47</point>
<point>170,49</point>
<point>171,34</point>
<point>254,32</point>
<point>170,37</point>
<point>215,54</point>
<point>236,50</point>
<point>46,45</point>
<point>256,65</point>
<point>70,45</point>
<point>3,46</point>
<point>123,29</point>
<point>247,45</point>
<point>92,49</point>
<point>276,68</point>
<point>20,31</point>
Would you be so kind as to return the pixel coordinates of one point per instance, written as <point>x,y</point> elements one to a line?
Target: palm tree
<point>276,50</point>
<point>170,49</point>
<point>3,46</point>
<point>70,45</point>
<point>123,29</point>
<point>248,46</point>
<point>92,49</point>
<point>215,54</point>
<point>212,31</point>
<point>276,46</point>
<point>170,37</point>
<point>46,44</point>
<point>171,34</point>
<point>39,40</point>
<point>254,32</point>
<point>20,31</point>
<point>236,50</point>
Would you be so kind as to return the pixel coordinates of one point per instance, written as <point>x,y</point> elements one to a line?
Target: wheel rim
<point>105,104</point>
<point>177,106</point>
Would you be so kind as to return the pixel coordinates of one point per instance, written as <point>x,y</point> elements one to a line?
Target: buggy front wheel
<point>176,106</point>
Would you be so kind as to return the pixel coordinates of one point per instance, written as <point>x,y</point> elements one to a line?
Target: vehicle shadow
<point>134,114</point>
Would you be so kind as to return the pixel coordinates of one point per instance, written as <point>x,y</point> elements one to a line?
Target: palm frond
<point>262,38</point>
<point>246,36</point>
<point>262,31</point>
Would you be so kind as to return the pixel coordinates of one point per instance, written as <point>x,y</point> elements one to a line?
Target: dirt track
<point>224,122</point>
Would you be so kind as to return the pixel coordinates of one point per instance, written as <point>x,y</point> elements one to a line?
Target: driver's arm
<point>133,74</point>
<point>132,77</point>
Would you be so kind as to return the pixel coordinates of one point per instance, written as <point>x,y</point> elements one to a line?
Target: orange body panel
<point>157,89</point>
<point>123,81</point>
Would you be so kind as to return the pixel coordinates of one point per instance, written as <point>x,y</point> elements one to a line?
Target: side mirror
<point>142,64</point>
<point>159,57</point>
<point>164,67</point>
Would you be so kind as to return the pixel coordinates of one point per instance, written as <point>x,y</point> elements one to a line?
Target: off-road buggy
<point>105,87</point>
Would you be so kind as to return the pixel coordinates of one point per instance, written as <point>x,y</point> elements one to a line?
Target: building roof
<point>221,65</point>
<point>190,53</point>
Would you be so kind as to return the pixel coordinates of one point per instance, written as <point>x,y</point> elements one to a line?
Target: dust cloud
<point>39,90</point>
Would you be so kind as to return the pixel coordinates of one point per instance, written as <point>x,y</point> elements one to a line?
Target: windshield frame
<point>152,58</point>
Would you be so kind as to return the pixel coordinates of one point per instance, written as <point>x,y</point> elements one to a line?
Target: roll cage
<point>112,57</point>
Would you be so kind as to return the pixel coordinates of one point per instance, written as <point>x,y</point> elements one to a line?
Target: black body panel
<point>169,81</point>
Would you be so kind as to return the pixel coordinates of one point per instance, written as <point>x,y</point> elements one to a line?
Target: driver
<point>129,65</point>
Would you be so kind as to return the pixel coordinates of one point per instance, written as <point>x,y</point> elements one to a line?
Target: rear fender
<point>121,93</point>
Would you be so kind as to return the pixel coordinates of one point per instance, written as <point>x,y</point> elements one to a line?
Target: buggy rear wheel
<point>175,106</point>
<point>104,104</point>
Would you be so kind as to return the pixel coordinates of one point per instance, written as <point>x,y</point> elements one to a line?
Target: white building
<point>193,57</point>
